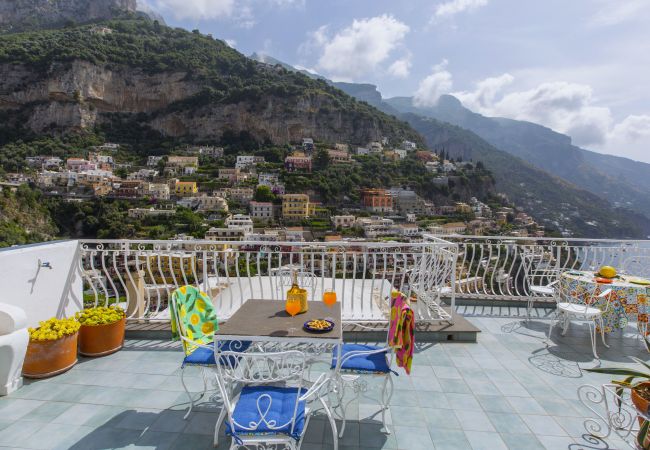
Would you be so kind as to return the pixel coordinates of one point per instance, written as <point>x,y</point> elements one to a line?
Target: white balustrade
<point>492,267</point>
<point>141,275</point>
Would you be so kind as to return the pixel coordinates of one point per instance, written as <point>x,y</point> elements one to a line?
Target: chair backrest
<point>285,369</point>
<point>540,268</point>
<point>193,317</point>
<point>429,278</point>
<point>582,295</point>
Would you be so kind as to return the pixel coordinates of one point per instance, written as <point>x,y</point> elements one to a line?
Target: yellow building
<point>296,206</point>
<point>186,188</point>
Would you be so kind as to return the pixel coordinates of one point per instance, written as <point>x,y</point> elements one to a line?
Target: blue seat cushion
<point>277,405</point>
<point>202,356</point>
<point>375,363</point>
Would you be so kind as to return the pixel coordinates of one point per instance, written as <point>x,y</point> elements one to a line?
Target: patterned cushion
<point>375,363</point>
<point>259,406</point>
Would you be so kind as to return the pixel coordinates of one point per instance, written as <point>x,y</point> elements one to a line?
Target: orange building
<point>377,200</point>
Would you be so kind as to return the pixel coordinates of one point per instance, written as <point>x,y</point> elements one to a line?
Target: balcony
<point>509,389</point>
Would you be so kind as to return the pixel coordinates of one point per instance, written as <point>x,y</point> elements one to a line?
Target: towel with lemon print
<point>197,317</point>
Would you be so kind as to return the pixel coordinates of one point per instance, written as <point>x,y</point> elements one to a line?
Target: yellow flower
<point>183,311</point>
<point>194,319</point>
<point>207,328</point>
<point>190,335</point>
<point>183,289</point>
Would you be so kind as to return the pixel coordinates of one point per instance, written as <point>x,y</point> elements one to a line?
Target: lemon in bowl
<point>607,272</point>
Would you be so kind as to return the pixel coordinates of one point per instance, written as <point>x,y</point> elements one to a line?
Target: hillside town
<point>251,201</point>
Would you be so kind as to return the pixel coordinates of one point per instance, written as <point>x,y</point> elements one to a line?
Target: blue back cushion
<point>280,403</point>
<point>375,363</point>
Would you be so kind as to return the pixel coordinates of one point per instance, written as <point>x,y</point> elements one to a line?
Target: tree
<point>321,160</point>
<point>264,194</point>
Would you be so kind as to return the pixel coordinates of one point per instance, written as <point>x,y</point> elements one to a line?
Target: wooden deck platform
<point>460,331</point>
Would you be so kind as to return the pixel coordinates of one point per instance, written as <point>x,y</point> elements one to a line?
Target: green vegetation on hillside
<point>23,218</point>
<point>226,75</point>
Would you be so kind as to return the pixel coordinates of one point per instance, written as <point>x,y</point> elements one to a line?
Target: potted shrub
<point>639,385</point>
<point>102,330</point>
<point>52,348</point>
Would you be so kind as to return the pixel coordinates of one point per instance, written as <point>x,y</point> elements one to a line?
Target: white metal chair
<point>284,279</point>
<point>359,361</point>
<point>542,278</point>
<point>582,308</point>
<point>273,407</point>
<point>199,355</point>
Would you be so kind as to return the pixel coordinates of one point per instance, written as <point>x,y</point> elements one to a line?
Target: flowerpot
<point>643,406</point>
<point>101,340</point>
<point>48,358</point>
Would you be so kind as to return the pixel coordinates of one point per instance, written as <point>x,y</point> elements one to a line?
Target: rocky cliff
<point>131,73</point>
<point>22,14</point>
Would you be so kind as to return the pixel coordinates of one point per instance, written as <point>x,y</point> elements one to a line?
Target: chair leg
<point>565,325</point>
<point>602,332</point>
<point>187,391</point>
<point>592,335</point>
<point>529,308</point>
<point>222,415</point>
<point>388,382</point>
<point>335,439</point>
<point>550,328</point>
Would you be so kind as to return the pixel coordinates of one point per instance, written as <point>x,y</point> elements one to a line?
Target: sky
<point>580,67</point>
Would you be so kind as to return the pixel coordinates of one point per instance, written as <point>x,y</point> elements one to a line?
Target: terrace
<point>508,389</point>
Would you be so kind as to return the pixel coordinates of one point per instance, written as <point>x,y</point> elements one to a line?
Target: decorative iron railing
<point>141,275</point>
<point>494,267</point>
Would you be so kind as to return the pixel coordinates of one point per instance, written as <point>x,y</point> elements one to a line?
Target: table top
<point>622,281</point>
<point>266,320</point>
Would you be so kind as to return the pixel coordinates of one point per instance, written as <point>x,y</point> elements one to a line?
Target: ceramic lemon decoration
<point>607,272</point>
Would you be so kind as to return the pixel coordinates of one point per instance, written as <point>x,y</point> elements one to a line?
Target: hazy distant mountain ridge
<point>620,180</point>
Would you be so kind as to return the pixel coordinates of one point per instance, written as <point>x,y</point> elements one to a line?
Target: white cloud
<point>231,43</point>
<point>358,49</point>
<point>433,86</point>
<point>615,12</point>
<point>453,7</point>
<point>568,108</point>
<point>401,68</point>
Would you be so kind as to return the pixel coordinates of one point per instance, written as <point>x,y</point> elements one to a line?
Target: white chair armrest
<point>553,283</point>
<point>318,384</point>
<point>357,353</point>
<point>197,344</point>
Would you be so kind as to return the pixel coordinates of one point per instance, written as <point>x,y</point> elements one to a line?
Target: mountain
<point>17,15</point>
<point>552,201</point>
<point>555,201</point>
<point>135,76</point>
<point>620,180</point>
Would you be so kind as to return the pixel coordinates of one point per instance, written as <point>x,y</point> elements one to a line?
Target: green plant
<point>634,380</point>
<point>100,315</point>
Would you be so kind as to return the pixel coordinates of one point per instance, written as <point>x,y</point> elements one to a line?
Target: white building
<point>142,174</point>
<point>211,152</point>
<point>240,221</point>
<point>244,161</point>
<point>268,179</point>
<point>153,161</point>
<point>361,151</point>
<point>374,227</point>
<point>408,229</point>
<point>375,147</point>
<point>261,210</point>
<point>401,153</point>
<point>159,191</point>
<point>344,221</point>
<point>408,145</point>
<point>211,203</point>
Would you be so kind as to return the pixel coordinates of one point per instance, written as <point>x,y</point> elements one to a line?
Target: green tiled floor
<point>508,391</point>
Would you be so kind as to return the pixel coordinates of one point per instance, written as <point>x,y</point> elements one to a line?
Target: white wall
<point>42,292</point>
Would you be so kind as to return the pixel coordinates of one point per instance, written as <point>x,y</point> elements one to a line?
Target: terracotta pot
<point>48,358</point>
<point>101,340</point>
<point>643,406</point>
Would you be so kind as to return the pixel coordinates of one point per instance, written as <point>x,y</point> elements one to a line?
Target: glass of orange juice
<point>329,297</point>
<point>292,307</point>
